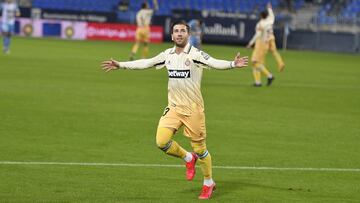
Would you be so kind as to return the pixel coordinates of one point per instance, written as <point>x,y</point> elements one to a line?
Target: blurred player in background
<point>142,36</point>
<point>184,64</point>
<point>10,10</point>
<point>264,40</point>
<point>197,32</point>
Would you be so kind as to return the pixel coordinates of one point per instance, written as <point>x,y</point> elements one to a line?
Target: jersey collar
<point>186,49</point>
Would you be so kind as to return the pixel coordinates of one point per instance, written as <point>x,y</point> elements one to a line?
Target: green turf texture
<point>57,105</point>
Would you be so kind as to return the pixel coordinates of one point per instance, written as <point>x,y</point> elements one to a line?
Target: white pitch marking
<point>178,166</point>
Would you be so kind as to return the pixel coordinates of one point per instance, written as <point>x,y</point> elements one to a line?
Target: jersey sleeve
<point>271,17</point>
<point>204,60</point>
<point>256,35</point>
<point>157,61</point>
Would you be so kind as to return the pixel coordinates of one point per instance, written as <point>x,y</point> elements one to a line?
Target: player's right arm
<point>255,37</point>
<point>112,64</point>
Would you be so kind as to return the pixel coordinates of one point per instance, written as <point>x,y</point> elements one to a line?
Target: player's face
<point>180,35</point>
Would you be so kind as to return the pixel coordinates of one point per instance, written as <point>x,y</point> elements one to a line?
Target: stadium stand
<point>165,6</point>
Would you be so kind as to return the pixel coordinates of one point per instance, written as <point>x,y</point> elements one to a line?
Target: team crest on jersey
<point>205,55</point>
<point>187,62</point>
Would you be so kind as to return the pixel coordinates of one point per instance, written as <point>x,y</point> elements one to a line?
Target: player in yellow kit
<point>264,41</point>
<point>185,65</point>
<point>142,35</point>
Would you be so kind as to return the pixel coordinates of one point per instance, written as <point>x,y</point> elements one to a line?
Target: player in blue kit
<point>10,11</point>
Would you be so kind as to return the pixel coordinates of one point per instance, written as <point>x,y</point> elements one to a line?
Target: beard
<point>181,45</point>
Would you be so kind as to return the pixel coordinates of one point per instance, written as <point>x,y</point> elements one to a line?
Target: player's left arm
<point>204,59</point>
<point>156,5</point>
<point>271,16</point>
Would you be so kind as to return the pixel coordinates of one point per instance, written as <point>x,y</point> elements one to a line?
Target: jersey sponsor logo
<point>179,73</point>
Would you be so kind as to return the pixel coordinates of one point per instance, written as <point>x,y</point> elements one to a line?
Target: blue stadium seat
<point>165,6</point>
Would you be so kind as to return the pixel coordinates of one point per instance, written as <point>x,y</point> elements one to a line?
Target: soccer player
<point>197,32</point>
<point>184,64</point>
<point>264,40</point>
<point>9,11</point>
<point>142,36</point>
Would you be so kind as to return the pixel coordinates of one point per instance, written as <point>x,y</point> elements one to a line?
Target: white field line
<point>178,166</point>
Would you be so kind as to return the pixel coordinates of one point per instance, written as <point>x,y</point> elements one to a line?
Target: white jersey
<point>143,17</point>
<point>9,11</point>
<point>264,28</point>
<point>184,72</point>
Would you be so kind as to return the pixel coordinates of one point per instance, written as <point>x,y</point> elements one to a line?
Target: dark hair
<point>144,5</point>
<point>180,22</point>
<point>264,14</point>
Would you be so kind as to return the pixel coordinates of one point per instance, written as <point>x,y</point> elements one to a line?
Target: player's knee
<point>163,137</point>
<point>254,63</point>
<point>200,149</point>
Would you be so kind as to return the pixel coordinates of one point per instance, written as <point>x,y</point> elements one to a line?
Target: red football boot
<point>207,191</point>
<point>190,167</point>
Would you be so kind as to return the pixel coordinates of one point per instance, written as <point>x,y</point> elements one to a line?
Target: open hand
<point>240,61</point>
<point>110,65</point>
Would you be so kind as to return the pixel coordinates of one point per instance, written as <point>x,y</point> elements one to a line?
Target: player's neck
<point>179,50</point>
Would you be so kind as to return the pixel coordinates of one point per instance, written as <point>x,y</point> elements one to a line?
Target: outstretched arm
<point>205,59</point>
<point>109,65</point>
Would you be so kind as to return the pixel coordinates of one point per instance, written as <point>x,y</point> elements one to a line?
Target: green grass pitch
<point>57,105</point>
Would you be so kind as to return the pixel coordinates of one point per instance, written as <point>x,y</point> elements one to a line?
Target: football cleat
<point>207,191</point>
<point>270,80</point>
<point>190,167</point>
<point>257,85</point>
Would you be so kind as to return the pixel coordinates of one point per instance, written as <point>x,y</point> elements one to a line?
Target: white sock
<point>188,157</point>
<point>270,76</point>
<point>208,182</point>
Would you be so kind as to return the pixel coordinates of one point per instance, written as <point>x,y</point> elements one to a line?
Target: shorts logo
<point>179,73</point>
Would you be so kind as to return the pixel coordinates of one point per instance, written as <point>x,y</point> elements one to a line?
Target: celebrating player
<point>184,64</point>
<point>9,11</point>
<point>143,20</point>
<point>264,40</point>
